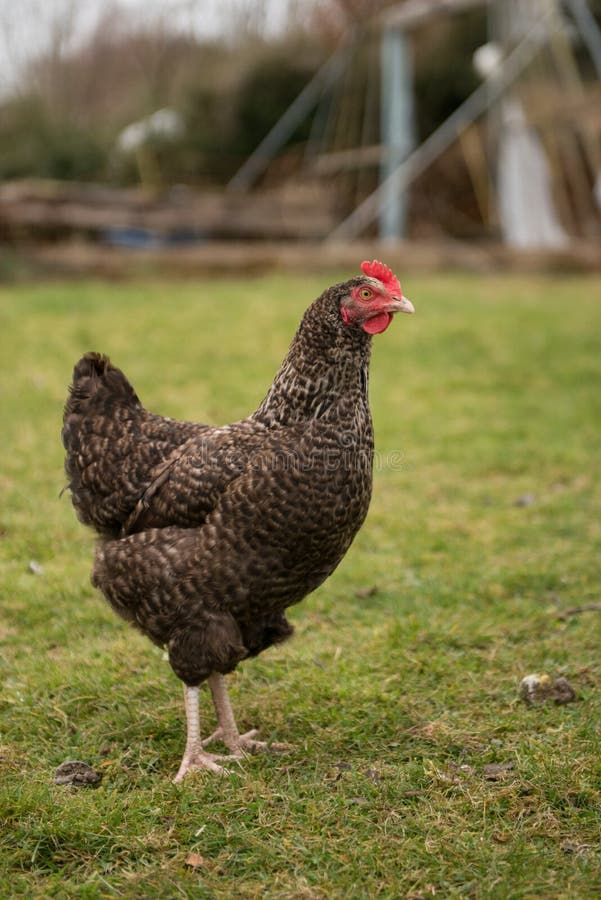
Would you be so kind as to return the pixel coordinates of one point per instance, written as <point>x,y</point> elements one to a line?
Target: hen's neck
<point>325,364</point>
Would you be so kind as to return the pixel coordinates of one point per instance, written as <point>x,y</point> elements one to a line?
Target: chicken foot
<point>240,745</point>
<point>195,757</point>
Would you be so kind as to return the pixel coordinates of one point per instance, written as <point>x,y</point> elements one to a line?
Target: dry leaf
<point>575,847</point>
<point>501,837</point>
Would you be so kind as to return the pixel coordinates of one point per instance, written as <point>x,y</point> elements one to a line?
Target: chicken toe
<point>240,745</point>
<point>194,759</point>
<point>245,744</point>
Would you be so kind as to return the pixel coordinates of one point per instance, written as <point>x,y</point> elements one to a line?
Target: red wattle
<point>377,324</point>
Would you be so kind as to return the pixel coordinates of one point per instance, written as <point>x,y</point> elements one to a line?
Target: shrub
<point>34,143</point>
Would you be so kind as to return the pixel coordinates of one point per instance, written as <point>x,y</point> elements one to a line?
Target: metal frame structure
<point>400,160</point>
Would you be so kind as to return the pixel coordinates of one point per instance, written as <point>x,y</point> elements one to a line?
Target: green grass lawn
<point>401,685</point>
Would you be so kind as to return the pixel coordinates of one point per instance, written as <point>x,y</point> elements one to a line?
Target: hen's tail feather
<point>116,449</point>
<point>92,372</point>
<point>99,426</point>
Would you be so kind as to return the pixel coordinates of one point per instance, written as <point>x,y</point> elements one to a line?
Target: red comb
<point>377,269</point>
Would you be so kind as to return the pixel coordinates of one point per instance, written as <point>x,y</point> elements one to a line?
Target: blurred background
<point>464,126</point>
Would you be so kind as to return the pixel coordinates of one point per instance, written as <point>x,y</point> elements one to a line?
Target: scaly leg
<point>194,756</point>
<point>227,731</point>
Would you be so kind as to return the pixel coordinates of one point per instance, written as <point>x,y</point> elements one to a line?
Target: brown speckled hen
<point>208,534</point>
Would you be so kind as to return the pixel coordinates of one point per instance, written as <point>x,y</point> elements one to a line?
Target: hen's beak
<point>403,305</point>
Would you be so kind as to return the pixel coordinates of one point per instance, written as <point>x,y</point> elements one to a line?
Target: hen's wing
<point>186,486</point>
<point>129,468</point>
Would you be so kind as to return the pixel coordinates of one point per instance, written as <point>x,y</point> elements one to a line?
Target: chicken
<point>207,534</point>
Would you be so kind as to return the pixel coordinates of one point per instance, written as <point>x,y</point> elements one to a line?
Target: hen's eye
<point>365,293</point>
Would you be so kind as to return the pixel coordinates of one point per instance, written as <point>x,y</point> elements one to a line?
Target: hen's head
<point>373,298</point>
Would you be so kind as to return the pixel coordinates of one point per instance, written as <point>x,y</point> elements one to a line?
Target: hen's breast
<point>329,482</point>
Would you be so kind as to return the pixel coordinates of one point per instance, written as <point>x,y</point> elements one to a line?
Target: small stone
<point>533,687</point>
<point>365,593</point>
<point>77,774</point>
<point>35,568</point>
<point>525,500</point>
<point>536,689</point>
<point>563,692</point>
<point>496,771</point>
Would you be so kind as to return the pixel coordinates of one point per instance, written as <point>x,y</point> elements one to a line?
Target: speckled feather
<point>209,533</point>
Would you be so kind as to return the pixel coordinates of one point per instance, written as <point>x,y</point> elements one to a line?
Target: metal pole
<point>260,158</point>
<point>396,113</point>
<point>589,30</point>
